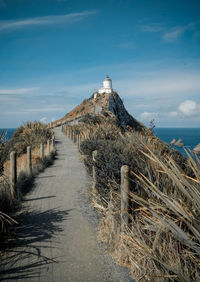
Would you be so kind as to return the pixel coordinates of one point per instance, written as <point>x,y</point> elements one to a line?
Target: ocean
<point>9,132</point>
<point>190,136</point>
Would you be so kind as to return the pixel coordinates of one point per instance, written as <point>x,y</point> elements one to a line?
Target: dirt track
<point>57,241</point>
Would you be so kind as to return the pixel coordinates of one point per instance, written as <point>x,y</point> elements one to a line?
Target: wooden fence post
<point>13,174</point>
<point>48,147</point>
<point>75,137</point>
<point>125,189</point>
<point>29,160</point>
<point>72,134</point>
<point>94,174</point>
<point>78,141</point>
<point>53,143</point>
<point>42,151</point>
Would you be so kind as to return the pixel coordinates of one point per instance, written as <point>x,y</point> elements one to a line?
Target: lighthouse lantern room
<point>107,86</point>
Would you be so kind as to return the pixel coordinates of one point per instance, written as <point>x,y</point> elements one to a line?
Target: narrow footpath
<point>55,240</point>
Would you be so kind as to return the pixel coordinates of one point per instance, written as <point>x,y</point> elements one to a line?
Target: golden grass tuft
<point>162,241</point>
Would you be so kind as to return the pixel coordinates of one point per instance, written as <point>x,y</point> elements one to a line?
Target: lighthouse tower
<point>107,86</point>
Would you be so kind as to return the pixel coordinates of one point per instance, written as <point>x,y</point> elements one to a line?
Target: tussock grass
<point>30,134</point>
<point>162,240</point>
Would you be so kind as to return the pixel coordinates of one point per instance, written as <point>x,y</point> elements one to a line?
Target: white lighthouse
<point>107,86</point>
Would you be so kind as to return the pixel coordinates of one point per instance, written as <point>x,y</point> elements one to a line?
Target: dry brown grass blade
<point>169,173</point>
<point>171,225</point>
<point>7,218</point>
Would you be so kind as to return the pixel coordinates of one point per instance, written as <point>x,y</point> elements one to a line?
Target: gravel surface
<point>56,239</point>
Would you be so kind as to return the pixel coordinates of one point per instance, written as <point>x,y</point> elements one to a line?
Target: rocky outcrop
<point>173,141</point>
<point>100,104</point>
<point>123,118</point>
<point>197,149</point>
<point>177,143</point>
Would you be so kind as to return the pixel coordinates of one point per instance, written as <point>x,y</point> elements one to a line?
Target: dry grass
<point>162,241</point>
<point>31,134</point>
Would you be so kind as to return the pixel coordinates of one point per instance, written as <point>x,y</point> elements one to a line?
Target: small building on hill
<point>107,86</point>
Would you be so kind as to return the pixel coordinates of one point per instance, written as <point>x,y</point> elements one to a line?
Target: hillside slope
<point>104,103</point>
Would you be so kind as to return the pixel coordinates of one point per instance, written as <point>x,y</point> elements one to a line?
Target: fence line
<point>13,175</point>
<point>125,176</point>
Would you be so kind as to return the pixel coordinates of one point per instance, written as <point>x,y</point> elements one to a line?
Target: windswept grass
<point>162,240</point>
<point>31,134</point>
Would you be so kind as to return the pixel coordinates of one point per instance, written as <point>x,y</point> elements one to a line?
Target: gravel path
<point>57,240</point>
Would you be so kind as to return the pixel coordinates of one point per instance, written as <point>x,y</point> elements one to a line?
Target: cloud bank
<point>18,90</point>
<point>12,25</point>
<point>189,108</point>
<point>168,34</point>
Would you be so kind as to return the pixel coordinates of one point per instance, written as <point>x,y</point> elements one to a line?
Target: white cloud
<point>185,110</point>
<point>189,108</point>
<point>171,35</point>
<point>147,116</point>
<point>18,90</point>
<point>45,20</point>
<point>174,34</point>
<point>43,120</point>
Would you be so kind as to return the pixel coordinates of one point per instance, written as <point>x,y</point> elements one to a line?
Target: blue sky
<point>55,53</point>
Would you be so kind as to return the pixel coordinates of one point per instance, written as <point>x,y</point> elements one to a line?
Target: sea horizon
<point>190,136</point>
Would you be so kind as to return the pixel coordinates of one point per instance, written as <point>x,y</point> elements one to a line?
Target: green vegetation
<point>31,134</point>
<point>161,242</point>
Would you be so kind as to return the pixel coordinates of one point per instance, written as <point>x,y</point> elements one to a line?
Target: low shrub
<point>161,242</point>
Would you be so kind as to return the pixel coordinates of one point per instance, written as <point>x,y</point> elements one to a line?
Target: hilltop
<point>107,104</point>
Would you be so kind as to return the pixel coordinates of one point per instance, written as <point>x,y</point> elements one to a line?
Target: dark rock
<point>123,118</point>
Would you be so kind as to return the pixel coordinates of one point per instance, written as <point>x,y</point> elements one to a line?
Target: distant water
<point>8,132</point>
<point>190,136</point>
